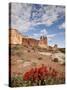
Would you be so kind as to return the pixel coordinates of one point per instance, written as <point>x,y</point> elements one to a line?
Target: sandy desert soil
<point>23,58</point>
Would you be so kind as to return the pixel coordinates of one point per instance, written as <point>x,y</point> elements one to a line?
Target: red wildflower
<point>26,76</point>
<point>46,70</point>
<point>39,73</point>
<point>41,70</point>
<point>35,76</point>
<point>31,72</point>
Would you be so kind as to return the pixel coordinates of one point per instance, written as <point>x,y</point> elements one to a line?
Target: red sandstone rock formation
<point>17,38</point>
<point>29,42</point>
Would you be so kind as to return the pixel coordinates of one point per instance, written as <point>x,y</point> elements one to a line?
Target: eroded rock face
<point>15,37</point>
<point>29,42</point>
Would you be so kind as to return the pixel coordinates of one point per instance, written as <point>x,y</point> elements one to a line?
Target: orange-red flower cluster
<point>39,73</point>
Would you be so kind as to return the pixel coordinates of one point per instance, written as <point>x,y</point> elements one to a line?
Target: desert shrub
<point>29,51</point>
<point>55,59</point>
<point>26,46</point>
<point>16,47</point>
<point>16,81</point>
<point>25,60</point>
<point>18,53</point>
<point>40,58</point>
<point>32,48</point>
<point>33,63</point>
<point>62,50</point>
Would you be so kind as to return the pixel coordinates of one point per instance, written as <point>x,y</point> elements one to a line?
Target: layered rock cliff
<point>17,38</point>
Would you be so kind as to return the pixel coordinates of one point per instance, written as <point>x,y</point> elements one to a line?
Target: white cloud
<point>51,35</point>
<point>41,33</point>
<point>52,13</point>
<point>21,13</point>
<point>62,26</point>
<point>44,32</point>
<point>36,36</point>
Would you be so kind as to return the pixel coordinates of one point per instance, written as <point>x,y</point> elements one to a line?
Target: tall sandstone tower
<point>43,42</point>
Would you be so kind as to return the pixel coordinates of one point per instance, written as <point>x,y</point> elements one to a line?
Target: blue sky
<point>35,20</point>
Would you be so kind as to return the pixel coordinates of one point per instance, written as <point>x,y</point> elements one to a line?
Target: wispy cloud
<point>51,35</point>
